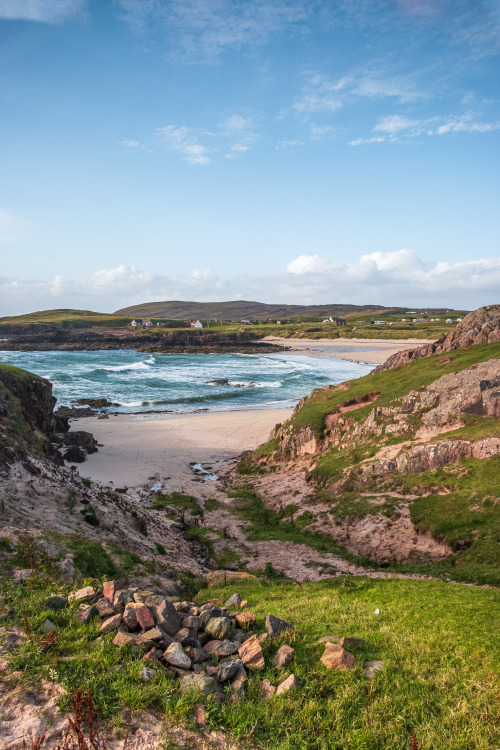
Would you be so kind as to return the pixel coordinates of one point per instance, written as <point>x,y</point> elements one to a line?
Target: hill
<point>68,316</point>
<point>243,310</point>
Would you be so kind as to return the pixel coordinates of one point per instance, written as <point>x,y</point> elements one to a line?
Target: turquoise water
<point>141,382</point>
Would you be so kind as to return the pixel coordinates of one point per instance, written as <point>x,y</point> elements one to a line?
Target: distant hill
<point>243,310</point>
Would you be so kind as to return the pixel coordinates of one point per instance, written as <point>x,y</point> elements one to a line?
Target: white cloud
<point>466,124</point>
<point>132,144</point>
<point>186,141</point>
<point>398,128</point>
<point>288,144</point>
<point>41,11</point>
<point>394,124</point>
<point>367,141</point>
<point>392,278</point>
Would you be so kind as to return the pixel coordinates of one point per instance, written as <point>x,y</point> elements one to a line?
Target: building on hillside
<point>147,323</point>
<point>196,324</point>
<point>134,324</point>
<point>379,322</point>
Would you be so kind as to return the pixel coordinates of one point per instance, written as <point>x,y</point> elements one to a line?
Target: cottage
<point>134,324</point>
<point>147,323</point>
<point>196,324</point>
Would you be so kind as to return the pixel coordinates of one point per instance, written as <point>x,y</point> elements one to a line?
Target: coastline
<point>135,451</point>
<point>376,352</point>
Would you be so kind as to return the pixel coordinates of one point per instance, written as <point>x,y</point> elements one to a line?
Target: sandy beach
<point>378,349</point>
<point>136,448</point>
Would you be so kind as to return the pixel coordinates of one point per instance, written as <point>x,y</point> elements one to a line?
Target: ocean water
<point>141,382</point>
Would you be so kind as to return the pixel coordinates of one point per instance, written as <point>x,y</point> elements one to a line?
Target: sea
<point>183,383</point>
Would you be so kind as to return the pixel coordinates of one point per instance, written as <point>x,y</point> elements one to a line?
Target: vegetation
<point>67,317</point>
<point>176,500</point>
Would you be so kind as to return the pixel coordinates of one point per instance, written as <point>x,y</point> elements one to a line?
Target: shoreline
<point>135,451</point>
<point>376,353</point>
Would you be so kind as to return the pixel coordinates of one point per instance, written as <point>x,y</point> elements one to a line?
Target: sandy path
<point>135,448</point>
<point>381,348</point>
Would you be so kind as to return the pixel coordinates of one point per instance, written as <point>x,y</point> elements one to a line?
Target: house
<point>147,323</point>
<point>337,321</point>
<point>134,324</point>
<point>196,324</point>
<point>379,323</point>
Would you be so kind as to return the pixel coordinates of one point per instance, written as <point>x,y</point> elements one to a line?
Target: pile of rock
<point>207,647</point>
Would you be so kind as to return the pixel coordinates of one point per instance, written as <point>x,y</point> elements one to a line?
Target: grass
<point>392,385</point>
<point>66,316</point>
<point>439,681</point>
<point>176,500</point>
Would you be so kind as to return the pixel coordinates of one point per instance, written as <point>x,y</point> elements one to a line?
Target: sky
<point>296,151</point>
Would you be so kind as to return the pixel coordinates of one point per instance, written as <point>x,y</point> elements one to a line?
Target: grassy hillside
<point>66,316</point>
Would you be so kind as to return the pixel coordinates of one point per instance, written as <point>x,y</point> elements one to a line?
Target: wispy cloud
<point>205,29</point>
<point>393,278</point>
<point>398,128</point>
<point>187,142</point>
<point>41,11</point>
<point>132,144</point>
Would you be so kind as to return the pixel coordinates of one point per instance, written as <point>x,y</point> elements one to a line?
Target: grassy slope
<point>65,315</point>
<point>440,678</point>
<point>457,504</point>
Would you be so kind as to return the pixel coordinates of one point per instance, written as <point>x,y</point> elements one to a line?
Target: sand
<point>381,349</point>
<point>136,448</point>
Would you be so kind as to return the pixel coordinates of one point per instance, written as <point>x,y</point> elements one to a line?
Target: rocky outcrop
<point>479,327</point>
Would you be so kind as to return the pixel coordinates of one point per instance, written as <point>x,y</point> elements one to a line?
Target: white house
<point>147,323</point>
<point>196,324</point>
<point>134,324</point>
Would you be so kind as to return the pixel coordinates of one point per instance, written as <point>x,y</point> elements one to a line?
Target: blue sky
<point>304,151</point>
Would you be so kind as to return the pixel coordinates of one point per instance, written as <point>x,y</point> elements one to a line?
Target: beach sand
<point>136,448</point>
<point>381,349</point>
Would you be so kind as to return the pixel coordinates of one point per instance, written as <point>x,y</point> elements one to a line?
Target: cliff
<point>479,327</point>
<point>401,465</point>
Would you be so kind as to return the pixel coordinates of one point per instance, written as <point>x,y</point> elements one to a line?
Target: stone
<point>177,657</point>
<point>185,606</point>
<point>283,657</point>
<point>370,667</point>
<point>291,683</point>
<point>141,596</point>
<point>244,604</point>
<point>152,600</point>
<point>245,619</point>
<point>198,683</point>
<point>227,670</point>
<point>145,618</point>
<point>328,639</point>
<point>154,654</point>
<point>218,577</point>
<point>104,607</point>
<point>121,598</point>
<point>191,622</point>
<point>348,642</point>
<point>22,575</point>
<point>197,655</point>
<point>200,717</point>
<point>336,657</point>
<point>130,615</point>
<point>251,654</point>
<point>225,648</point>
<point>195,611</point>
<point>147,674</point>
<point>266,689</point>
<point>109,590</point>
<point>275,626</point>
<point>182,635</point>
<point>241,675</point>
<point>47,626</point>
<point>218,627</point>
<point>56,602</point>
<point>86,613</point>
<point>179,671</point>
<point>154,634</point>
<point>233,601</point>
<point>110,624</point>
<point>168,618</point>
<point>82,595</point>
<point>211,646</point>
<point>127,639</point>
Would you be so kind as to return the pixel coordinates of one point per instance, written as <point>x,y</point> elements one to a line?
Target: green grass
<point>17,372</point>
<point>440,678</point>
<point>475,428</point>
<point>392,385</point>
<point>66,316</point>
<point>176,500</point>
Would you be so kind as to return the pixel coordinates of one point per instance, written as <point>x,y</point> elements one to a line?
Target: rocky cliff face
<point>479,327</point>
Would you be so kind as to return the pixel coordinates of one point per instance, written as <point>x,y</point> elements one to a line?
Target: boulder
<point>291,683</point>
<point>129,639</point>
<point>154,634</point>
<point>198,683</point>
<point>225,648</point>
<point>370,667</point>
<point>191,622</point>
<point>283,657</point>
<point>167,617</point>
<point>266,689</point>
<point>109,589</point>
<point>104,607</point>
<point>233,601</point>
<point>56,602</point>
<point>227,670</point>
<point>145,618</point>
<point>110,624</point>
<point>245,619</point>
<point>141,596</point>
<point>275,626</point>
<point>218,627</point>
<point>147,674</point>
<point>82,595</point>
<point>200,717</point>
<point>130,615</point>
<point>197,655</point>
<point>47,626</point>
<point>336,657</point>
<point>177,657</point>
<point>86,613</point>
<point>154,654</point>
<point>121,598</point>
<point>251,654</point>
<point>211,646</point>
